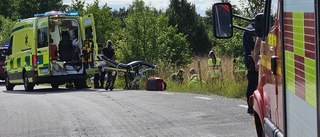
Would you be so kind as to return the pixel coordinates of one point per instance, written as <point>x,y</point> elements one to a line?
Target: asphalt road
<point>100,113</point>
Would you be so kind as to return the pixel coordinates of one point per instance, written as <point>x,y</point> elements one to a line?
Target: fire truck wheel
<point>9,86</point>
<point>259,128</point>
<point>27,85</point>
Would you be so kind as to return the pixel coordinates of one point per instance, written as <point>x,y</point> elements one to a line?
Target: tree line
<point>140,32</point>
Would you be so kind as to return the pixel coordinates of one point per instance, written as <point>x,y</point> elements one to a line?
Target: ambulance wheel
<point>9,86</point>
<point>79,84</point>
<point>54,85</point>
<point>69,85</point>
<point>27,86</point>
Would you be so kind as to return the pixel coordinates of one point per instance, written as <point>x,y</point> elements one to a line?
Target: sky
<point>201,5</point>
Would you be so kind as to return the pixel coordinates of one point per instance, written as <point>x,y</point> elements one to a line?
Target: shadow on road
<point>47,91</point>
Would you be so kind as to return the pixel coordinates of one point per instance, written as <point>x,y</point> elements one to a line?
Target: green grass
<point>231,84</point>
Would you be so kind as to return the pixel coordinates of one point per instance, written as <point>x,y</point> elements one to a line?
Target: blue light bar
<point>57,13</point>
<point>40,15</point>
<point>73,13</point>
<point>6,45</point>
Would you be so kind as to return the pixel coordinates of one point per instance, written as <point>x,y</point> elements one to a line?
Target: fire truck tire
<point>27,85</point>
<point>259,129</point>
<point>9,86</point>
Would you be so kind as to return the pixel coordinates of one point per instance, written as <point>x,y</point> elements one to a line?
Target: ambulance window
<point>43,37</point>
<point>89,33</point>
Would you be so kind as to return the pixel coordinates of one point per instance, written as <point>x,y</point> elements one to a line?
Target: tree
<point>5,29</point>
<point>183,14</point>
<point>77,5</point>
<point>148,37</point>
<point>106,25</point>
<point>122,13</point>
<point>251,7</point>
<point>26,9</point>
<point>6,8</point>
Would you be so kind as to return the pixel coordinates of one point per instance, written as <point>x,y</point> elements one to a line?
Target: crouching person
<point>178,76</point>
<point>194,80</point>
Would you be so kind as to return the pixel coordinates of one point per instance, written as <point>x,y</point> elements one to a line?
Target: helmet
<point>193,71</point>
<point>109,42</point>
<point>181,70</point>
<point>211,54</point>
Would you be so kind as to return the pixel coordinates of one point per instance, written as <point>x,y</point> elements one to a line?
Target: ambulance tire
<point>55,85</point>
<point>80,83</point>
<point>259,129</point>
<point>27,86</point>
<point>9,86</point>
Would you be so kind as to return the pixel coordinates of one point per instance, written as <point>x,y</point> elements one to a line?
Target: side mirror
<point>222,20</point>
<point>259,25</point>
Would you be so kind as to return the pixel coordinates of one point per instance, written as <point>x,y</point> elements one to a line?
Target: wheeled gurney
<point>133,71</point>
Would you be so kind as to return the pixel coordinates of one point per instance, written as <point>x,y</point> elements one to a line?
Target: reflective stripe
<point>298,35</point>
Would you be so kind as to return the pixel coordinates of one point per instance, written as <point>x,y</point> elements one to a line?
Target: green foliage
<point>228,87</point>
<point>24,7</point>
<point>6,8</point>
<point>77,5</point>
<point>183,15</point>
<point>5,29</point>
<point>105,23</point>
<point>121,14</point>
<point>251,7</point>
<point>148,37</point>
<point>169,39</point>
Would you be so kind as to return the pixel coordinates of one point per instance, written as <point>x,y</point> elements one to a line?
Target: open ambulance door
<point>41,61</point>
<point>89,48</point>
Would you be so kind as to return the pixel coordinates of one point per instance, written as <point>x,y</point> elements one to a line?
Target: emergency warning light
<point>57,14</point>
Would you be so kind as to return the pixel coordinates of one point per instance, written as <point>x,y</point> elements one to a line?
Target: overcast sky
<point>201,5</point>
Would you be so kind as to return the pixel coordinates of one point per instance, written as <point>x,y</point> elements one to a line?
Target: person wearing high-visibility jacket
<point>215,66</point>
<point>178,76</point>
<point>194,79</point>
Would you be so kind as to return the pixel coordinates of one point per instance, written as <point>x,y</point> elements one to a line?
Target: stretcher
<point>133,71</point>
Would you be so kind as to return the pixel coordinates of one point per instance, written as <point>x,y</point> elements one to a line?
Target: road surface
<point>120,113</point>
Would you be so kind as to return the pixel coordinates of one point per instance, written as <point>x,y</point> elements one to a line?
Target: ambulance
<point>54,48</point>
<point>287,97</point>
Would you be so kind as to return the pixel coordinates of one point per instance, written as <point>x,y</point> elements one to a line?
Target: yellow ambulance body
<point>54,48</point>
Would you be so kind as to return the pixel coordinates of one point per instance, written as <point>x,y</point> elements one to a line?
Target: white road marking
<point>205,98</point>
<point>245,106</point>
<point>165,93</point>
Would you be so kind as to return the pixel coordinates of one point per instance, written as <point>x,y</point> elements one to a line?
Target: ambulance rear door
<point>42,59</point>
<point>89,47</point>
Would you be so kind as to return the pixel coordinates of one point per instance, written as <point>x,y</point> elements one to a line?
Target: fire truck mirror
<point>259,25</point>
<point>222,20</point>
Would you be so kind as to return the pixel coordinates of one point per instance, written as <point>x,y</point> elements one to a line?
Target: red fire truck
<point>286,100</point>
<point>3,50</point>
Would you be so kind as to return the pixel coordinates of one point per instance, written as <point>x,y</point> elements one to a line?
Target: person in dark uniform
<point>248,42</point>
<point>109,52</point>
